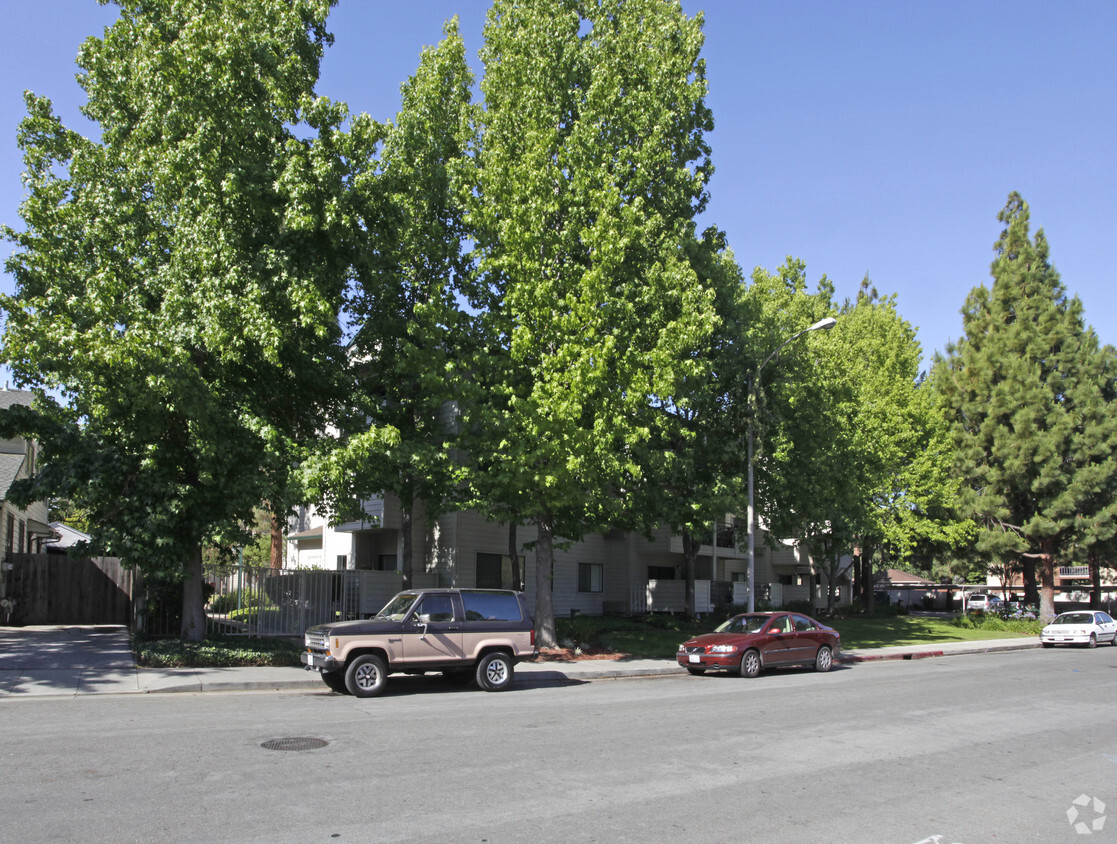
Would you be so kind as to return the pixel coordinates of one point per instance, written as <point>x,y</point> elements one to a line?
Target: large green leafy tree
<point>1023,391</point>
<point>854,454</point>
<point>178,279</point>
<point>693,469</point>
<point>411,329</point>
<point>799,438</point>
<point>901,448</point>
<point>591,166</point>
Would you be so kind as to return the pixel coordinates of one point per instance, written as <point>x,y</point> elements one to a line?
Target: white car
<point>1081,627</point>
<point>985,603</point>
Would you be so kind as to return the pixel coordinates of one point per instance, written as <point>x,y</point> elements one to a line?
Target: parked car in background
<point>985,602</point>
<point>748,643</point>
<point>1081,627</point>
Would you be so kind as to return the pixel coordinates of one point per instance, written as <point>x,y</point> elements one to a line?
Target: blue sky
<point>863,137</point>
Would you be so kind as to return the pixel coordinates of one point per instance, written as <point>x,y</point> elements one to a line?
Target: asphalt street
<point>1011,746</point>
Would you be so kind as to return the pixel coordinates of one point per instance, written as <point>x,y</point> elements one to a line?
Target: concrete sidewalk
<point>75,660</point>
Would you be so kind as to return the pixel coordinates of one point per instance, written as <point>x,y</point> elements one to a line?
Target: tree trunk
<point>405,529</point>
<point>1028,575</point>
<point>1095,582</point>
<point>1046,581</point>
<point>193,599</point>
<point>867,574</point>
<point>831,580</point>
<point>544,607</point>
<point>514,555</point>
<point>276,555</point>
<point>690,560</point>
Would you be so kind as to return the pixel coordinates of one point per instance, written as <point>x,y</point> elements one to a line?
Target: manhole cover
<point>294,744</point>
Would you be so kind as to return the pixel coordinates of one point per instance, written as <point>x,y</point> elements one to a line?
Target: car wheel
<point>750,664</point>
<point>824,660</point>
<point>335,680</point>
<point>366,676</point>
<point>1093,643</point>
<point>696,671</point>
<point>1113,641</point>
<point>458,676</point>
<point>1048,644</point>
<point>494,672</point>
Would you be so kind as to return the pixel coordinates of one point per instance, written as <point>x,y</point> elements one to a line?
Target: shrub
<point>216,651</point>
<point>227,603</point>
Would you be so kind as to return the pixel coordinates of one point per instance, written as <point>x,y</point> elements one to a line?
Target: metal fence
<point>284,602</point>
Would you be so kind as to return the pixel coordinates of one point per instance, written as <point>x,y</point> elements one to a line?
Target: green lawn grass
<point>649,637</point>
<point>660,639</point>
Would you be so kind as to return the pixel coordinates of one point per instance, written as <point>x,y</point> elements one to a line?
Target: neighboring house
<point>25,530</point>
<point>907,590</point>
<point>611,572</point>
<point>66,537</point>
<point>1072,584</point>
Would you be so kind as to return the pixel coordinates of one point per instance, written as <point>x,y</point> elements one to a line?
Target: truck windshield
<point>397,608</point>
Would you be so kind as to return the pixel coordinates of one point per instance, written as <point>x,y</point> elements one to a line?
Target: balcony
<point>1074,572</point>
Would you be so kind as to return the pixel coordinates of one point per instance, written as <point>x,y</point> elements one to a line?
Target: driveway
<point>63,659</point>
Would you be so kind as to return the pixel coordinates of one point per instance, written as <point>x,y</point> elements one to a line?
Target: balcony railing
<point>1074,571</point>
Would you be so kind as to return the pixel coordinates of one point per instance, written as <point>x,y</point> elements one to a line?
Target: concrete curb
<point>924,652</point>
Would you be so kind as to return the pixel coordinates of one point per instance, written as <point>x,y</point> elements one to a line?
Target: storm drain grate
<point>299,743</point>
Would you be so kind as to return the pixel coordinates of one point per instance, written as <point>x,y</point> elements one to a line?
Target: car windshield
<point>743,624</point>
<point>397,608</point>
<point>1074,618</point>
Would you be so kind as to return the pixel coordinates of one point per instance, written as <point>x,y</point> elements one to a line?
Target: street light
<point>822,325</point>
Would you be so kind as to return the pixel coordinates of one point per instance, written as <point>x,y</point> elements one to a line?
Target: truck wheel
<point>366,676</point>
<point>494,672</point>
<point>335,680</point>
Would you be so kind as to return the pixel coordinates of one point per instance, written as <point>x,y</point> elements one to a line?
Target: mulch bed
<point>568,655</point>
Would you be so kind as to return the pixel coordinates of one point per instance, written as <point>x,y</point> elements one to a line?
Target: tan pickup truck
<point>467,634</point>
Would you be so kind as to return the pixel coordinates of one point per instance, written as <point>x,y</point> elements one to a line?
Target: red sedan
<point>748,643</point>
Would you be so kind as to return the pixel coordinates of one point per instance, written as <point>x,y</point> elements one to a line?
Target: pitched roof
<point>10,398</point>
<point>898,578</point>
<point>10,464</point>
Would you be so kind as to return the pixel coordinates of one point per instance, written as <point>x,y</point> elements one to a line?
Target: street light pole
<point>822,325</point>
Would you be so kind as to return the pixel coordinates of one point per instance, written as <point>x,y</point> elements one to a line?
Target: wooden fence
<point>55,589</point>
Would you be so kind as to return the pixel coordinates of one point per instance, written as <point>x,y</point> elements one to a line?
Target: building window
<point>661,572</point>
<point>494,571</point>
<point>387,562</point>
<point>590,577</point>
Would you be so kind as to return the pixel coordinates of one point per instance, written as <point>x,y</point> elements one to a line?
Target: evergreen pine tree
<point>1022,390</point>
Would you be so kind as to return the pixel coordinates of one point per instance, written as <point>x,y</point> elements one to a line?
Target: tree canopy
<point>178,280</point>
<point>591,167</point>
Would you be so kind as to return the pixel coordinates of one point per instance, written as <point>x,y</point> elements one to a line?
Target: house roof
<point>895,577</point>
<point>10,464</point>
<point>10,398</point>
<point>313,533</point>
<point>67,536</point>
